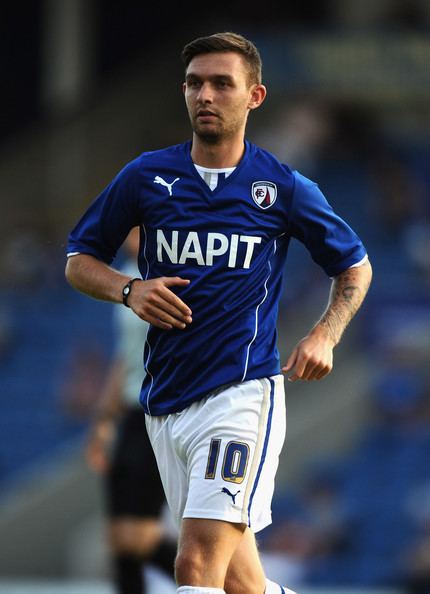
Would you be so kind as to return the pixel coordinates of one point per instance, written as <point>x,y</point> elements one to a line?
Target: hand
<point>311,359</point>
<point>99,446</point>
<point>153,301</point>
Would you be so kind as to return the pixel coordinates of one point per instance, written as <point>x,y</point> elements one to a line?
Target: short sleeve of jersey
<point>107,222</point>
<point>330,240</point>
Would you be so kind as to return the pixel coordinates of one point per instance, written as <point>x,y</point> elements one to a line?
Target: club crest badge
<point>264,193</point>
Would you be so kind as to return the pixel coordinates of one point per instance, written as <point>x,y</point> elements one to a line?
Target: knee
<point>189,567</point>
<point>128,537</point>
<point>125,544</point>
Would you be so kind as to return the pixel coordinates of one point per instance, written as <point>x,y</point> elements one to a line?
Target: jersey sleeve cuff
<point>361,262</point>
<point>77,250</point>
<point>351,262</point>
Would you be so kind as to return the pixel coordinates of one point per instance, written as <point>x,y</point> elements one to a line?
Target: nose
<point>205,93</point>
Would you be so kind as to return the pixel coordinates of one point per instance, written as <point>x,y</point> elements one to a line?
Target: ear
<point>257,96</point>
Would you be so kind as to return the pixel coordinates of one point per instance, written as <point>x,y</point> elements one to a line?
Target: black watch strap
<point>127,290</point>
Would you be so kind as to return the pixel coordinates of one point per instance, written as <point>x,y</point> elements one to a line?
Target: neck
<point>217,156</point>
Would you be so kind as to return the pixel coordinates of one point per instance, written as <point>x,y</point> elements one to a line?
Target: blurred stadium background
<point>89,84</point>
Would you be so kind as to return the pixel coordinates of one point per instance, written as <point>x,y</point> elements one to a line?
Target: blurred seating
<point>360,513</point>
<point>49,325</point>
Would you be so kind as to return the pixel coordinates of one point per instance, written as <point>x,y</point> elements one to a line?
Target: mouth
<point>206,114</point>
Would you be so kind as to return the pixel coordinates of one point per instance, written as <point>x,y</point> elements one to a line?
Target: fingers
<point>308,365</point>
<point>173,305</point>
<point>325,371</point>
<point>173,299</point>
<point>297,362</point>
<point>304,376</point>
<point>162,319</point>
<point>174,280</point>
<point>310,372</point>
<point>291,361</point>
<point>155,303</point>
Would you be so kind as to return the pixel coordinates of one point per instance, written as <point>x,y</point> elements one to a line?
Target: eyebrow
<point>215,77</point>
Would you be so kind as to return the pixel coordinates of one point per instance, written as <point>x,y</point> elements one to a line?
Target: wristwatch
<point>127,290</point>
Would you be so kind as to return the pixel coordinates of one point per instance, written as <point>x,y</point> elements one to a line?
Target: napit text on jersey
<point>204,248</point>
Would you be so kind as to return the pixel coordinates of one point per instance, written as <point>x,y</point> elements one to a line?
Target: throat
<point>220,156</point>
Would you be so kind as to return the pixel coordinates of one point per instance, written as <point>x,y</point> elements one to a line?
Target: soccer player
<point>216,215</point>
<point>119,448</point>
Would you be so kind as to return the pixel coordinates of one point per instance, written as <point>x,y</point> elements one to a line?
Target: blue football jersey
<point>231,243</point>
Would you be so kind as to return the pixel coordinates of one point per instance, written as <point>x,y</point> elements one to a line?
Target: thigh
<point>134,486</point>
<point>171,464</point>
<point>233,446</point>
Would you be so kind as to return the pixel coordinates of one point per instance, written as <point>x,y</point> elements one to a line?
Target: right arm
<point>152,300</point>
<point>95,278</point>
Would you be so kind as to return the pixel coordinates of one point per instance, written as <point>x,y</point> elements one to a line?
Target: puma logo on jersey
<point>161,181</point>
<point>204,248</point>
<point>233,496</point>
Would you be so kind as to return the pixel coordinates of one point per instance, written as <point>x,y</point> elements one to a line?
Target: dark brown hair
<point>226,42</point>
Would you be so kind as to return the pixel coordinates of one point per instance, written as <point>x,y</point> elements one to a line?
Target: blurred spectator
<point>119,449</point>
<point>418,580</point>
<point>417,555</point>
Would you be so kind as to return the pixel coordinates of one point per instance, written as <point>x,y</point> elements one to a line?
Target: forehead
<point>218,64</point>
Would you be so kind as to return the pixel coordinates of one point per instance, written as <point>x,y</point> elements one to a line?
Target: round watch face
<point>126,290</point>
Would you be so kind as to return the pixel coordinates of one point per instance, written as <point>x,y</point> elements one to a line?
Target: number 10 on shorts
<point>235,460</point>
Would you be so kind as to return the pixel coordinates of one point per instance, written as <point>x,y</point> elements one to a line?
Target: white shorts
<point>218,457</point>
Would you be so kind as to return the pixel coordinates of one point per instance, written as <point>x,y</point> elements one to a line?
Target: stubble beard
<point>213,136</point>
<point>208,135</point>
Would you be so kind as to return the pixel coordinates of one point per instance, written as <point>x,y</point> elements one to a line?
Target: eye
<point>193,84</point>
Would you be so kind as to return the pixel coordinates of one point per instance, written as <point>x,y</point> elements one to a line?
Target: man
<point>216,217</point>
<point>119,448</point>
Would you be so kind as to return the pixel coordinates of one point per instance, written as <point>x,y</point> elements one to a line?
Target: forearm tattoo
<point>347,293</point>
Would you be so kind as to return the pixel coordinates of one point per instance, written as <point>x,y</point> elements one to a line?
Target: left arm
<point>312,358</point>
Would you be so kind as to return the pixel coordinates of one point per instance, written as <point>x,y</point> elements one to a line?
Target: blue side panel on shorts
<point>266,441</point>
